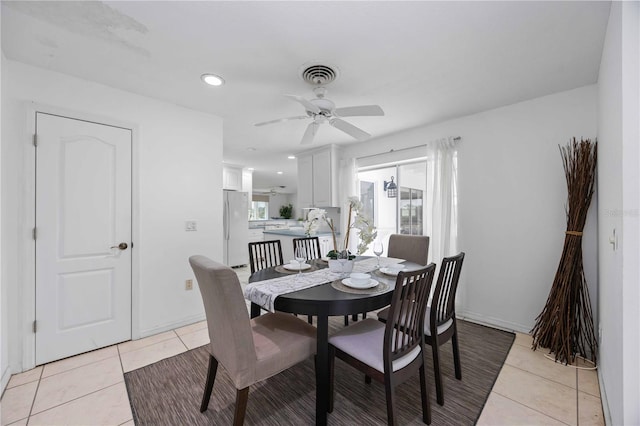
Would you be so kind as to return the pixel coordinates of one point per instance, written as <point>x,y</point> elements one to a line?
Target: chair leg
<point>424,393</point>
<point>346,320</point>
<point>208,387</point>
<point>390,394</point>
<point>364,315</point>
<point>436,371</point>
<point>310,319</point>
<point>456,354</point>
<point>332,362</point>
<point>242,396</point>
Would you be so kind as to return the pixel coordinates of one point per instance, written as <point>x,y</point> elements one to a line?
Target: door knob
<point>121,246</point>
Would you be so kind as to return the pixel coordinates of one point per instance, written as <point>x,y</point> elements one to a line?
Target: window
<point>259,210</point>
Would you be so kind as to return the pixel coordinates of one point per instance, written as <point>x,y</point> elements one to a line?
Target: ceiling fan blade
<point>307,105</point>
<point>310,133</point>
<point>299,117</point>
<point>360,111</point>
<point>349,129</point>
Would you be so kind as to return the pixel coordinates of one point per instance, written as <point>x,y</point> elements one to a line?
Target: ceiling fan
<point>321,110</point>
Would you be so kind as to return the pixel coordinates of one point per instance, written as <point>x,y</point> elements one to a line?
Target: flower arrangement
<point>360,221</point>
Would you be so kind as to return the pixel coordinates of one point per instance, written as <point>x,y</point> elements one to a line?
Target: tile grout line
<point>537,375</point>
<point>33,402</point>
<point>531,408</point>
<point>75,399</point>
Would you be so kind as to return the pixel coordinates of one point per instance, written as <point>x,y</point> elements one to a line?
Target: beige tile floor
<point>89,389</point>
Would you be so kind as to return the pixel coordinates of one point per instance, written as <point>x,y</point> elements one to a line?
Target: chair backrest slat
<point>265,254</point>
<point>404,329</point>
<point>444,295</point>
<point>311,246</point>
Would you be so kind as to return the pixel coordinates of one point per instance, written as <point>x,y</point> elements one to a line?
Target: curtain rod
<point>456,138</point>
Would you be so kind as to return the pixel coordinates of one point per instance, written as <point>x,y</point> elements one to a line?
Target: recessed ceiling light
<point>212,79</point>
<point>251,149</point>
<point>291,157</point>
<point>279,173</point>
<point>250,169</point>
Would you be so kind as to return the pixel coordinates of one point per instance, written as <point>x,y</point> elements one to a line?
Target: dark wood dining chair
<point>311,246</point>
<point>390,353</point>
<point>440,319</point>
<point>265,254</point>
<point>414,248</point>
<point>250,350</point>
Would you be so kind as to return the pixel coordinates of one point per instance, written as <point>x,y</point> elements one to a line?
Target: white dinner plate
<point>296,267</point>
<point>372,283</point>
<point>389,271</point>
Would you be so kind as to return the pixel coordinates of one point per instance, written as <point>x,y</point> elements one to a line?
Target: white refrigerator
<point>235,228</point>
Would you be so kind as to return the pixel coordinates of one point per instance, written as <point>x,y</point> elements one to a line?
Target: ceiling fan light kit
<point>322,110</point>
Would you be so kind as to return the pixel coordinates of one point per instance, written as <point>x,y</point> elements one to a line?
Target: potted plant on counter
<point>286,211</point>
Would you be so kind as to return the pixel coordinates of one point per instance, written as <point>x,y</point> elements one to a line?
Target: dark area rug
<point>169,391</point>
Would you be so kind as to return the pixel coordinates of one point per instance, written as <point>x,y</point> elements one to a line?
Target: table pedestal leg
<point>322,369</point>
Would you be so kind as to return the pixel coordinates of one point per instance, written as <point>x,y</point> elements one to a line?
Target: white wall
<point>512,194</point>
<point>177,177</point>
<point>618,185</point>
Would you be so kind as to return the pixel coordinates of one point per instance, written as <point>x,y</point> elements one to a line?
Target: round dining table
<point>323,301</point>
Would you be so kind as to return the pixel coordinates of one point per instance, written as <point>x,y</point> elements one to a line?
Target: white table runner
<point>264,293</point>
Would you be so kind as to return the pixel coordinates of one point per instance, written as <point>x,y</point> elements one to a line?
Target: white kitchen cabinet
<point>305,181</point>
<point>317,183</point>
<point>326,245</point>
<point>255,235</point>
<point>232,178</point>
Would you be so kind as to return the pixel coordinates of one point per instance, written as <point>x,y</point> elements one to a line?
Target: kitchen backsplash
<point>332,212</point>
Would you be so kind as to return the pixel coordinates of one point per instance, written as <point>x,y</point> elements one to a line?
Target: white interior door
<point>83,243</point>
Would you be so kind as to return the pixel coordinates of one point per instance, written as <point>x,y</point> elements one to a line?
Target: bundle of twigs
<point>565,325</point>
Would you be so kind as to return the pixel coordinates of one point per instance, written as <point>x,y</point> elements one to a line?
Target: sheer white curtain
<point>442,218</point>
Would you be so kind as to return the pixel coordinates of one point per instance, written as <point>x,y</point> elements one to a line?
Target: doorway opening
<point>395,196</point>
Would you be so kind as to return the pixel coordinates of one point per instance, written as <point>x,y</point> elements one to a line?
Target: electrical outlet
<point>188,285</point>
<point>191,225</point>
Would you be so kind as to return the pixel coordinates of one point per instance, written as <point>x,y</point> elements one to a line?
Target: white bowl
<point>396,267</point>
<point>359,279</point>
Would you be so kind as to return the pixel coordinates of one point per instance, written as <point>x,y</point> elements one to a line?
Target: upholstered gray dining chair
<point>390,353</point>
<point>249,350</point>
<point>414,248</point>
<point>440,319</point>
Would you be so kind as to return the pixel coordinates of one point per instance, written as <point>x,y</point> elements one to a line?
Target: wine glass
<point>377,250</point>
<point>343,257</point>
<point>301,257</point>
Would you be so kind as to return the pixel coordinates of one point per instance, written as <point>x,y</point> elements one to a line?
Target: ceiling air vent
<point>318,74</point>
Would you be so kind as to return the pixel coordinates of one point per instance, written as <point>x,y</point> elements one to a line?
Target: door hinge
<point>35,140</point>
<point>35,326</point>
<point>35,233</point>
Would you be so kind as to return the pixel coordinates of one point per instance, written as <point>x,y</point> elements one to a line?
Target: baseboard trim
<point>6,375</point>
<point>171,325</point>
<point>493,322</point>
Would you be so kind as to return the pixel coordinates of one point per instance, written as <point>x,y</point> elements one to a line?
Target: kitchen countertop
<point>296,233</point>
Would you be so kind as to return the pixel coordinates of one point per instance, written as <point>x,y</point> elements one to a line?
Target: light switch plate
<point>190,225</point>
